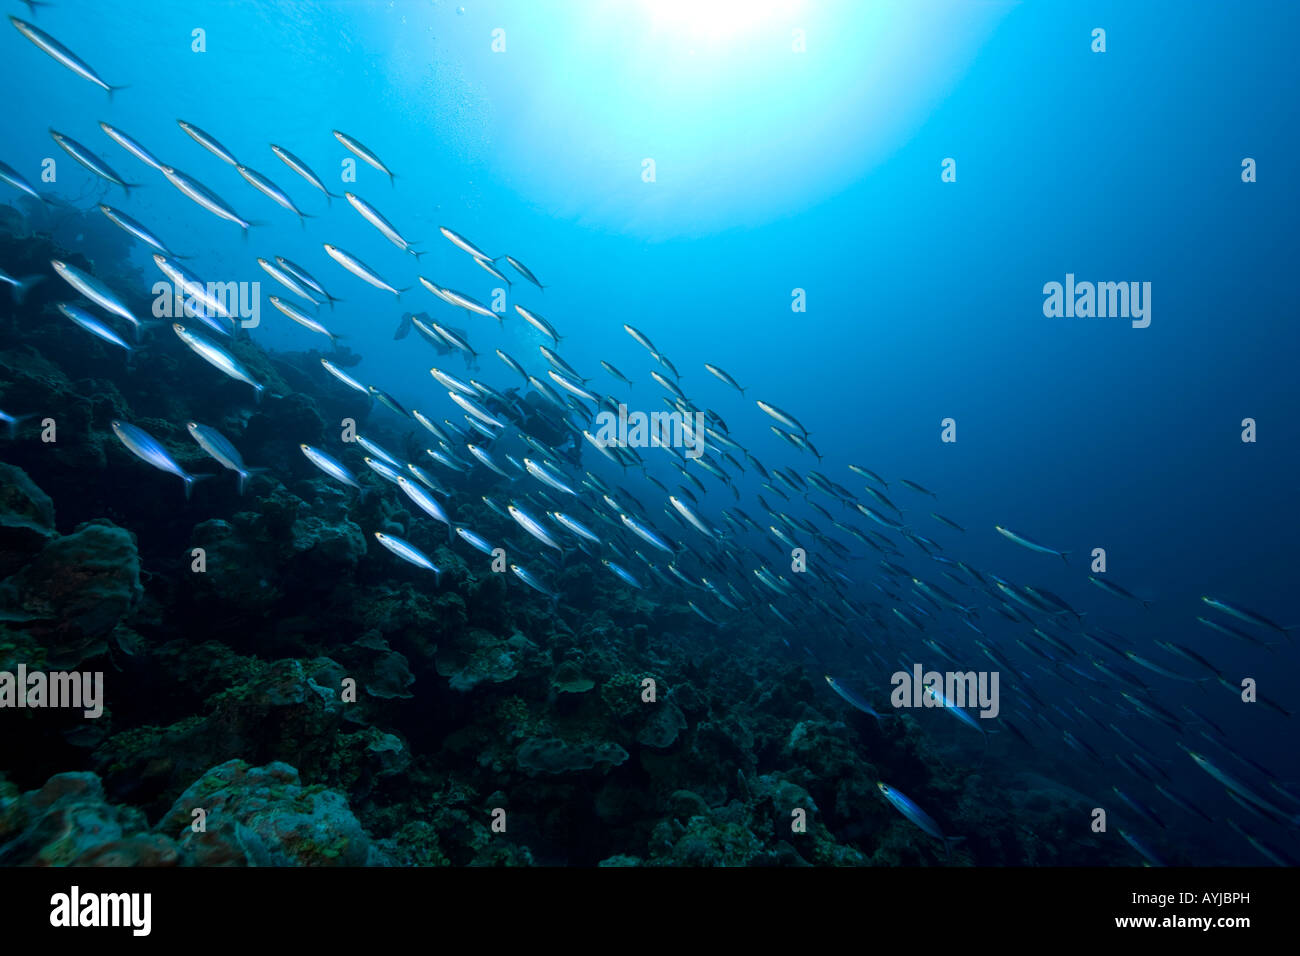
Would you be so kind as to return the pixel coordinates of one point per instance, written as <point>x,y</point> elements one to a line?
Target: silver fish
<point>92,325</point>
<point>476,541</point>
<point>125,222</point>
<point>200,303</point>
<point>328,465</point>
<point>530,524</point>
<point>85,157</point>
<point>360,269</point>
<point>528,578</point>
<point>12,177</point>
<point>461,242</point>
<point>539,323</point>
<point>577,527</point>
<point>271,191</point>
<point>302,169</point>
<point>426,503</point>
<point>408,552</point>
<point>62,54</point>
<point>621,572</point>
<point>217,357</point>
<point>616,373</point>
<point>356,147</point>
<point>904,805</point>
<point>546,477</point>
<point>305,278</point>
<point>205,197</point>
<point>492,270</point>
<point>208,142</point>
<point>785,418</point>
<point>641,339</point>
<point>474,409</point>
<point>486,458</point>
<point>373,216</point>
<point>453,383</point>
<point>144,446</point>
<point>96,292</point>
<point>306,321</point>
<point>1031,545</point>
<point>723,377</point>
<point>131,146</point>
<point>524,271</point>
<point>219,447</point>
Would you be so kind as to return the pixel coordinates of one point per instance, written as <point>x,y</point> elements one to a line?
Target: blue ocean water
<point>798,155</point>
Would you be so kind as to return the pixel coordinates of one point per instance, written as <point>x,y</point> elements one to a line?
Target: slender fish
<point>62,54</point>
<point>360,269</point>
<point>356,147</point>
<point>302,169</point>
<point>144,446</point>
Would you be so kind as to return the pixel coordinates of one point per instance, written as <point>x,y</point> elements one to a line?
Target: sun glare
<point>716,19</point>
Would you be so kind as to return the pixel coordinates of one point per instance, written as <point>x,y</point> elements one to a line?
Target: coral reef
<point>322,704</point>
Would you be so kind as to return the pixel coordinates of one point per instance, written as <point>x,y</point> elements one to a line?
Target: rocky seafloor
<point>228,736</point>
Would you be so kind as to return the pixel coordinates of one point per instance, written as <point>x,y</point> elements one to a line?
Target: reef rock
<point>26,517</point>
<point>80,586</point>
<point>264,816</point>
<point>67,822</point>
<point>553,755</point>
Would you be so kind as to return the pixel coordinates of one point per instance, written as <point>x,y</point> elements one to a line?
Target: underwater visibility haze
<point>648,433</point>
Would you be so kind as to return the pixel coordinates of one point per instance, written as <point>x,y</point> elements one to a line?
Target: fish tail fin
<point>948,844</point>
<point>114,89</point>
<point>332,300</point>
<point>17,420</point>
<point>416,254</point>
<point>25,285</point>
<point>248,473</point>
<point>400,291</point>
<point>191,481</point>
<point>392,179</point>
<point>257,393</point>
<point>1064,558</point>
